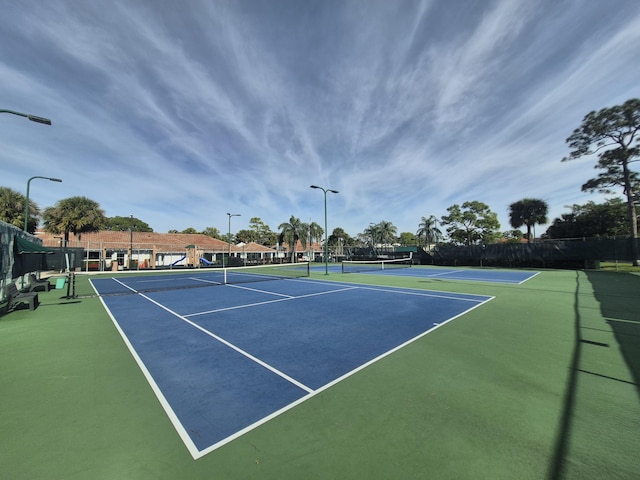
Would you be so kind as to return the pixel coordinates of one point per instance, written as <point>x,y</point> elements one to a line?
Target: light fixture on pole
<point>229,236</point>
<point>326,251</point>
<point>26,206</point>
<point>33,118</point>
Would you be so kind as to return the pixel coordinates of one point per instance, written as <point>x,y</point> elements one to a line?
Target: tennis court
<point>541,382</point>
<point>404,268</point>
<point>225,357</point>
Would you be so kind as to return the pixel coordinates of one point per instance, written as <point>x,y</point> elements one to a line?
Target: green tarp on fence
<point>572,253</point>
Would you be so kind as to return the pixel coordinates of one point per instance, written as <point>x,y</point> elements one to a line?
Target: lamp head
<point>37,119</point>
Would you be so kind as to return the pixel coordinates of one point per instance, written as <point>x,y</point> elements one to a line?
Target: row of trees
<point>614,135</point>
<point>473,222</point>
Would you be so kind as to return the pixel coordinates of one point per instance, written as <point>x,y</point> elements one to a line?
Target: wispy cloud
<point>180,114</point>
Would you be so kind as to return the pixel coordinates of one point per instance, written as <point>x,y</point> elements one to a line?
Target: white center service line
<point>266,302</point>
<point>223,341</point>
<point>232,346</point>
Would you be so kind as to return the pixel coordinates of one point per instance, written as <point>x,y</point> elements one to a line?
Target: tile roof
<point>255,247</point>
<point>147,240</point>
<point>315,247</point>
<point>168,241</point>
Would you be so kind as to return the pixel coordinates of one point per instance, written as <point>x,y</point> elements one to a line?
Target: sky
<point>180,112</point>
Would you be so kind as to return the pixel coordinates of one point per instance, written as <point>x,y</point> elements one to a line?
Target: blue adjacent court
<point>456,273</point>
<point>224,359</point>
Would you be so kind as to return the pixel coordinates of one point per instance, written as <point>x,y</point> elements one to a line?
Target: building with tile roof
<point>108,250</point>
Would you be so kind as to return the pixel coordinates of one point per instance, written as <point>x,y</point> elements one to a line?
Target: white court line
<point>481,298</point>
<point>610,319</point>
<point>258,290</point>
<point>332,383</point>
<point>231,345</point>
<point>222,340</point>
<point>193,450</point>
<point>529,278</point>
<point>175,421</point>
<point>205,281</point>
<point>406,290</point>
<point>236,307</point>
<point>124,284</point>
<point>448,272</point>
<point>460,276</point>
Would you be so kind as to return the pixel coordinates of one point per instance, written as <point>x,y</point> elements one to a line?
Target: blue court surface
<point>515,277</point>
<point>224,359</point>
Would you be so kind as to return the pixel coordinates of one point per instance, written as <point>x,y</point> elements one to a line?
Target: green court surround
<point>541,383</point>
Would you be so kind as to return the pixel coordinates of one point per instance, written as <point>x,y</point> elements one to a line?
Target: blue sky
<point>178,112</point>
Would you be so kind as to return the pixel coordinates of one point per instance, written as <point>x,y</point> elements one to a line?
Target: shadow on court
<point>619,297</point>
<point>617,300</point>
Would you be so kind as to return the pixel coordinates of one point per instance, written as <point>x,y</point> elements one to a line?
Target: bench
<point>15,297</point>
<point>36,285</point>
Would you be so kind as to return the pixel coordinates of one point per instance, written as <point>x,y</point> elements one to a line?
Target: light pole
<point>130,240</point>
<point>26,207</point>
<point>61,254</point>
<point>326,252</point>
<point>229,236</point>
<point>33,118</point>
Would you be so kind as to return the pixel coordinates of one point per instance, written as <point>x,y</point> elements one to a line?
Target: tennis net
<point>156,281</point>
<point>356,266</point>
<point>258,273</point>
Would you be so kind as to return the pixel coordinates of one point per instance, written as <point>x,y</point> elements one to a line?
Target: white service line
<point>225,342</point>
<point>266,302</point>
<point>232,346</point>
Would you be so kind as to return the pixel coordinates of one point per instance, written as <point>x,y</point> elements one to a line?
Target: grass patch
<point>619,267</point>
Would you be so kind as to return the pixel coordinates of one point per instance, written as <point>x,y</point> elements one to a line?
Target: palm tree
<point>75,215</point>
<point>428,229</point>
<point>381,233</point>
<point>315,233</point>
<point>293,231</point>
<point>529,212</point>
<point>371,235</point>
<point>12,209</point>
<point>386,232</point>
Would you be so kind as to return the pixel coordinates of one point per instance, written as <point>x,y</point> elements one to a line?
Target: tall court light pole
<point>326,242</point>
<point>229,236</point>
<point>26,207</point>
<point>130,240</point>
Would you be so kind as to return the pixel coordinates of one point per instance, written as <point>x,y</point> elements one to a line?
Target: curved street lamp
<point>326,252</point>
<point>45,121</point>
<point>229,236</point>
<point>26,207</point>
<point>33,118</point>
